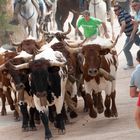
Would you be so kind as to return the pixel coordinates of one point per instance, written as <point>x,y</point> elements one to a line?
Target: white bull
<point>98,10</point>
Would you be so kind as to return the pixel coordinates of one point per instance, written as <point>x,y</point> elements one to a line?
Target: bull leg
<point>37,116</point>
<point>98,102</point>
<point>32,122</point>
<point>107,112</point>
<point>17,111</point>
<point>9,99</point>
<point>3,99</point>
<point>92,112</point>
<point>83,94</point>
<point>52,113</point>
<point>24,112</point>
<point>114,108</point>
<point>73,114</point>
<point>44,119</point>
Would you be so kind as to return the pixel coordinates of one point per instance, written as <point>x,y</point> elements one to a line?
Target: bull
<point>48,80</point>
<point>99,55</point>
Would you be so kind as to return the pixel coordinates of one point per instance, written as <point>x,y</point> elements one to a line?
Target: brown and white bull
<point>5,84</point>
<point>99,55</point>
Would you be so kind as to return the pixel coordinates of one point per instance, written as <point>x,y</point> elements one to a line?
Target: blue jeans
<point>127,46</point>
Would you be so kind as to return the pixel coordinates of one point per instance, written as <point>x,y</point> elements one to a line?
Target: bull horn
<point>14,43</point>
<point>68,31</point>
<point>112,44</point>
<point>75,45</point>
<point>21,66</point>
<point>57,63</point>
<point>70,49</point>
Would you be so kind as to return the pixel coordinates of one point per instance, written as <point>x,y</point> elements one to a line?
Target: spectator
<point>90,25</point>
<point>37,3</point>
<point>127,27</point>
<point>136,8</point>
<point>135,89</point>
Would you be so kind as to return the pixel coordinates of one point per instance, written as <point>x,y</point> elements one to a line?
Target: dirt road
<point>84,127</point>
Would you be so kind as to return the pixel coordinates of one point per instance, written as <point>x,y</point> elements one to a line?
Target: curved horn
<point>75,45</point>
<point>14,43</point>
<point>70,49</point>
<point>57,63</point>
<point>21,66</point>
<point>68,31</point>
<point>112,44</point>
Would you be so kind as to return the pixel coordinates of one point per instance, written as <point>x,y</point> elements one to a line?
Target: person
<point>125,4</point>
<point>90,26</point>
<point>135,88</point>
<point>127,27</point>
<point>136,7</point>
<point>39,8</point>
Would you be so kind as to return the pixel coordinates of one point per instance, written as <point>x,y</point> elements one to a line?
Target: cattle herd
<point>47,75</point>
<point>42,78</point>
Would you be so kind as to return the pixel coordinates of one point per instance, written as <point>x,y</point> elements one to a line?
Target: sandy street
<point>84,127</point>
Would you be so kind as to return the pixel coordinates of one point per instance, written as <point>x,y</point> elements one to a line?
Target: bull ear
<point>104,51</point>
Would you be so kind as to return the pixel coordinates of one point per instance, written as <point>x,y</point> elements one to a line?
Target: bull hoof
<point>92,113</point>
<point>25,129</point>
<point>85,109</point>
<point>100,109</point>
<point>37,121</point>
<point>17,119</point>
<point>114,114</point>
<point>3,112</point>
<point>12,107</point>
<point>61,132</point>
<point>73,114</point>
<point>48,137</point>
<point>107,113</point>
<point>32,128</point>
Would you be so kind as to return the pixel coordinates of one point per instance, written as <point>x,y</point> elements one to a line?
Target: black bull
<point>63,9</point>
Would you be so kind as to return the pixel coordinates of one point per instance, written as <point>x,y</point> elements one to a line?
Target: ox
<point>99,54</point>
<point>48,80</point>
<point>98,9</point>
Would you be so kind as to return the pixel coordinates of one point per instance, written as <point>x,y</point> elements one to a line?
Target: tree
<point>4,19</point>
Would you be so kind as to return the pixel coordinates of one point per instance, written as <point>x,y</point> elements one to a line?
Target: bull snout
<point>20,86</point>
<point>41,94</point>
<point>92,72</point>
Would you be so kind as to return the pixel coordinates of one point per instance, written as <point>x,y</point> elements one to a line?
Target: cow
<point>47,79</point>
<point>99,54</point>
<point>5,86</point>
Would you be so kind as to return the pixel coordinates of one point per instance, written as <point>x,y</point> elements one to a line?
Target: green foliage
<point>4,19</point>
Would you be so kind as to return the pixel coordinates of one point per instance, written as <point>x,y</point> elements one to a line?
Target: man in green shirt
<point>90,26</point>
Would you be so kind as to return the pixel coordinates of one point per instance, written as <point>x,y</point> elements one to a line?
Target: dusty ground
<point>84,127</point>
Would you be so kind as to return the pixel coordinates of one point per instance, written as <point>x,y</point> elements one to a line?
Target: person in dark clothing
<point>127,27</point>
